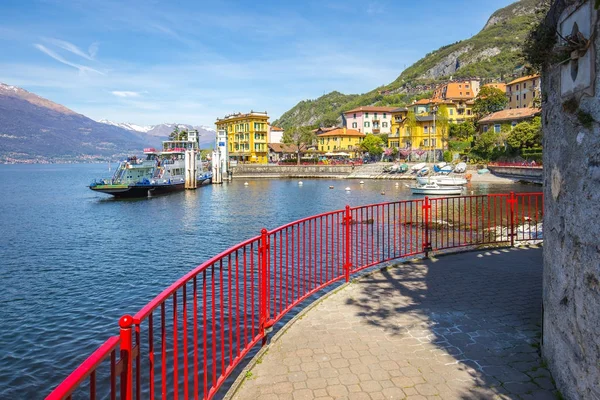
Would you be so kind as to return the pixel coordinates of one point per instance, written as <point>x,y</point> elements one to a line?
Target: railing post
<point>347,245</point>
<point>511,201</point>
<point>426,216</point>
<point>262,284</point>
<point>126,323</point>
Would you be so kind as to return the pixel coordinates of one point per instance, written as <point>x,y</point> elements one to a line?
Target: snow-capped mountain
<point>128,126</point>
<point>205,133</point>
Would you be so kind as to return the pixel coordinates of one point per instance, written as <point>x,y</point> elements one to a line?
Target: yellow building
<point>423,135</point>
<point>247,136</point>
<point>341,140</point>
<point>523,91</point>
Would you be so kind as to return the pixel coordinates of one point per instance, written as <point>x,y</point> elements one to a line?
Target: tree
<point>489,100</point>
<point>462,131</point>
<point>411,122</point>
<point>442,121</point>
<point>525,134</point>
<point>301,137</point>
<point>373,145</point>
<point>485,144</point>
<point>178,134</point>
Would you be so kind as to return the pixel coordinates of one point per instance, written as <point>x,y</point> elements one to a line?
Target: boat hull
<point>447,190</point>
<point>139,191</point>
<point>442,181</point>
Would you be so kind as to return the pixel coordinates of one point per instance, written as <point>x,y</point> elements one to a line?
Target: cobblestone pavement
<point>464,326</point>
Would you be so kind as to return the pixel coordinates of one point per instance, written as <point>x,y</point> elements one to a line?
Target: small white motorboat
<point>418,167</point>
<point>442,164</point>
<point>423,171</point>
<point>442,180</point>
<point>461,167</point>
<point>435,189</point>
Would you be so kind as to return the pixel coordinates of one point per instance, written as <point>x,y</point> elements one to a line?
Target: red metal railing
<point>192,336</point>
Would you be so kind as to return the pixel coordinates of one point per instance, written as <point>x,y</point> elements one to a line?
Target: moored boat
<point>442,180</point>
<point>159,173</point>
<point>435,189</point>
<point>460,167</point>
<point>417,167</point>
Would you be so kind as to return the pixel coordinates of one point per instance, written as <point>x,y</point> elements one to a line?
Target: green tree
<point>178,134</point>
<point>411,122</point>
<point>301,137</point>
<point>489,100</point>
<point>525,134</point>
<point>485,144</point>
<point>442,122</point>
<point>373,145</point>
<point>462,131</point>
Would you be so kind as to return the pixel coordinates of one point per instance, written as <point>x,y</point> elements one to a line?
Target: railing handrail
<point>85,369</point>
<point>165,294</point>
<point>347,252</point>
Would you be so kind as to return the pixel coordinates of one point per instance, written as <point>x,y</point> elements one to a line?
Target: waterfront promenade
<point>464,326</point>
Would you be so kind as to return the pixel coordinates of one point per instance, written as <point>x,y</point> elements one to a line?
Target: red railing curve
<point>192,336</point>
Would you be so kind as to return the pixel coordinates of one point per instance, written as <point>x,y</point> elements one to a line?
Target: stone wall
<point>571,111</point>
<point>291,171</point>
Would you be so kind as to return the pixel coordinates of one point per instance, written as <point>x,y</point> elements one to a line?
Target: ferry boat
<point>159,173</point>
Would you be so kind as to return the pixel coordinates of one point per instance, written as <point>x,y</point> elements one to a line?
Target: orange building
<point>466,89</point>
<point>497,85</point>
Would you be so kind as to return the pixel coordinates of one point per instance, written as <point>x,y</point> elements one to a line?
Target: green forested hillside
<point>494,53</point>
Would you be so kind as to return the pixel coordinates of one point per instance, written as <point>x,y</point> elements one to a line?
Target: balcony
<point>376,130</point>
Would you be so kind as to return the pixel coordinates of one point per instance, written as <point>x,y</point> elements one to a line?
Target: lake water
<point>73,261</point>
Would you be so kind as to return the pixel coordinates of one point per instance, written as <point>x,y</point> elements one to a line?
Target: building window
<point>375,115</point>
<point>461,93</point>
<point>432,142</point>
<point>524,96</point>
<point>485,128</point>
<point>354,125</point>
<point>425,129</point>
<point>451,111</point>
<point>367,124</point>
<point>468,93</point>
<point>384,125</point>
<point>517,86</point>
<point>466,86</point>
<point>468,112</point>
<point>384,116</point>
<point>513,124</point>
<point>354,115</point>
<point>497,128</point>
<point>460,86</point>
<point>425,142</point>
<point>524,85</point>
<point>367,115</point>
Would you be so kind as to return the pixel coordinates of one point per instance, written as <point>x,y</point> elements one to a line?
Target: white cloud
<point>81,68</point>
<point>74,49</point>
<point>125,93</point>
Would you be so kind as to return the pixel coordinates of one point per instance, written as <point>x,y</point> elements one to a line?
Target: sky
<point>149,62</point>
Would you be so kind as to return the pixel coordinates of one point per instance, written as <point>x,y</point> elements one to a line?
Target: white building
<point>275,134</point>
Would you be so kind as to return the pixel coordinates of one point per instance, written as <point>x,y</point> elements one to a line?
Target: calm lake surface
<point>73,261</point>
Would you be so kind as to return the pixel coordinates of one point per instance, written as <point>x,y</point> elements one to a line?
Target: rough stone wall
<point>571,331</point>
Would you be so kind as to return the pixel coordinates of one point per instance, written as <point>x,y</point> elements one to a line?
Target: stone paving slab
<point>464,326</point>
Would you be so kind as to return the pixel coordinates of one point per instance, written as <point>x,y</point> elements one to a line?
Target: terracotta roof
<point>511,115</point>
<point>497,85</point>
<point>325,129</point>
<point>422,102</point>
<point>283,148</point>
<point>276,128</point>
<point>370,109</point>
<point>342,132</point>
<point>523,79</point>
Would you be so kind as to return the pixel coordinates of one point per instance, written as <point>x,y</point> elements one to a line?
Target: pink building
<point>369,119</point>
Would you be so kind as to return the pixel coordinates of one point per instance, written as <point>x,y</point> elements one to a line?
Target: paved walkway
<point>465,326</point>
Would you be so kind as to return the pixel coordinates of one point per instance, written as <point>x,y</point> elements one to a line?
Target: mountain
<point>162,131</point>
<point>35,129</point>
<point>493,53</point>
